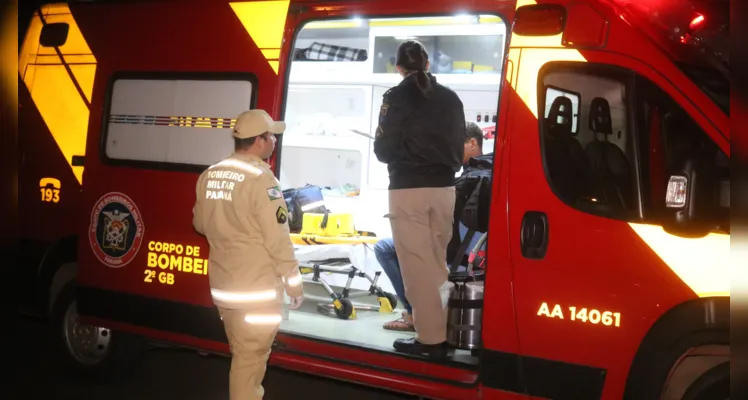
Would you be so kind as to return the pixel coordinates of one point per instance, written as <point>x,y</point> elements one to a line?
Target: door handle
<point>534,235</point>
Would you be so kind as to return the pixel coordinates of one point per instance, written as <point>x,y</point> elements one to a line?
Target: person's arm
<point>197,210</point>
<point>460,116</point>
<point>388,137</point>
<point>272,214</point>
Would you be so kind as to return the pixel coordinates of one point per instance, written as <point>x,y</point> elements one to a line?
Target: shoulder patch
<point>281,215</point>
<point>274,193</point>
<point>383,109</point>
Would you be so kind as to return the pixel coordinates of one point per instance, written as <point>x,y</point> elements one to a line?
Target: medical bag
<point>307,199</point>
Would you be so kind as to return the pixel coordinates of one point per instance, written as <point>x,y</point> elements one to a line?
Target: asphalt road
<point>165,374</point>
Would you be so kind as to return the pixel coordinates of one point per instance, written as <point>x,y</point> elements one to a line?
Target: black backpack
<point>307,199</point>
<point>473,191</point>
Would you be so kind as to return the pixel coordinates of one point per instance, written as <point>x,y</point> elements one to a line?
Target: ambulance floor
<point>367,327</point>
<point>365,331</point>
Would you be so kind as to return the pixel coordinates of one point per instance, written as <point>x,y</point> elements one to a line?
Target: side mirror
<point>690,200</point>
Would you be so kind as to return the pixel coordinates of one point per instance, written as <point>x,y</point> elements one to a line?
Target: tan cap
<point>256,122</point>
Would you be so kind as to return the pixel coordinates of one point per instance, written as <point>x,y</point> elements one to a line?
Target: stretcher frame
<point>341,305</point>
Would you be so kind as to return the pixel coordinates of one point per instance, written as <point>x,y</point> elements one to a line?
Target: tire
<point>108,355</point>
<point>713,385</point>
<point>392,298</point>
<point>345,310</point>
<point>649,383</point>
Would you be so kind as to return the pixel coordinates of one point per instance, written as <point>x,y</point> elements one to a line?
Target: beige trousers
<point>421,221</point>
<point>250,344</point>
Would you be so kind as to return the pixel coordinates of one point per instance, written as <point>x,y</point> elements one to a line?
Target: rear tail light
<point>676,192</point>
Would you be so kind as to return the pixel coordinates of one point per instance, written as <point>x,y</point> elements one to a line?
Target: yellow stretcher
<point>311,240</point>
<point>337,262</point>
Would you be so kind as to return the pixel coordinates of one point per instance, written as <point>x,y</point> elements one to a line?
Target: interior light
<point>697,22</point>
<point>676,192</point>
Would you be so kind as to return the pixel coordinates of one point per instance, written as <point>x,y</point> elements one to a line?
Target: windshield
<point>713,83</point>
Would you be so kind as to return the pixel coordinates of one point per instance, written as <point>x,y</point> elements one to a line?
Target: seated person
<point>386,255</point>
<point>384,250</point>
<point>473,150</point>
<point>473,143</point>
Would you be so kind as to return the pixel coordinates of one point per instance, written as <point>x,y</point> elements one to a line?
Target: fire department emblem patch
<point>116,230</point>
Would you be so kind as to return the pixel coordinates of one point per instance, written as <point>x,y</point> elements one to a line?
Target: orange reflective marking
<point>264,22</point>
<point>60,104</point>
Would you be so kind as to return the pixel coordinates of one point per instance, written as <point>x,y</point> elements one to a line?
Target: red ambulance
<point>607,272</point>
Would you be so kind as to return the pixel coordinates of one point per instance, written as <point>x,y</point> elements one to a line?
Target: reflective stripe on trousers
<point>250,334</point>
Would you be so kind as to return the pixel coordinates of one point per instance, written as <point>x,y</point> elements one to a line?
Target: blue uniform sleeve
<point>388,137</point>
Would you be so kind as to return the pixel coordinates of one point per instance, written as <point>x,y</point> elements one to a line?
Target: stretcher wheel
<point>345,310</point>
<point>392,299</point>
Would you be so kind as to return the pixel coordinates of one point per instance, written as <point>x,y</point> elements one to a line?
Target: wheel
<point>392,298</point>
<point>345,310</point>
<point>713,385</point>
<point>653,382</point>
<point>88,352</point>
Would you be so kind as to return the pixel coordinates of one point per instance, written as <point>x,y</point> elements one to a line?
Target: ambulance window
<point>670,137</point>
<point>585,134</point>
<point>174,122</point>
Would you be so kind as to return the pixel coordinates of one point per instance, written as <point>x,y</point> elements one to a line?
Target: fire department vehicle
<point>606,273</point>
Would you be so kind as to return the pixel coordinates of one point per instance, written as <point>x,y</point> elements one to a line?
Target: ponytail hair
<point>413,58</point>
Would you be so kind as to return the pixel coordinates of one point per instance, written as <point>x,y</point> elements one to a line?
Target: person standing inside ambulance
<point>421,137</point>
<point>241,211</point>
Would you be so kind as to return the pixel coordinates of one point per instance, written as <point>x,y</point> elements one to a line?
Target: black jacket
<point>476,167</point>
<point>420,139</point>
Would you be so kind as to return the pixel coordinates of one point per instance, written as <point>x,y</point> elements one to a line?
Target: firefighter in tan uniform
<point>241,210</point>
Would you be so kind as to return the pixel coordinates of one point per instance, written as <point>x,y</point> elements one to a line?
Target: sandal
<point>400,324</point>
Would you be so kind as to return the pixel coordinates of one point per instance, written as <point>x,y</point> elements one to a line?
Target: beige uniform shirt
<point>241,211</point>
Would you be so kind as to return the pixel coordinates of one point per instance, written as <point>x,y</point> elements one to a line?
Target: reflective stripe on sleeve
<point>294,280</point>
